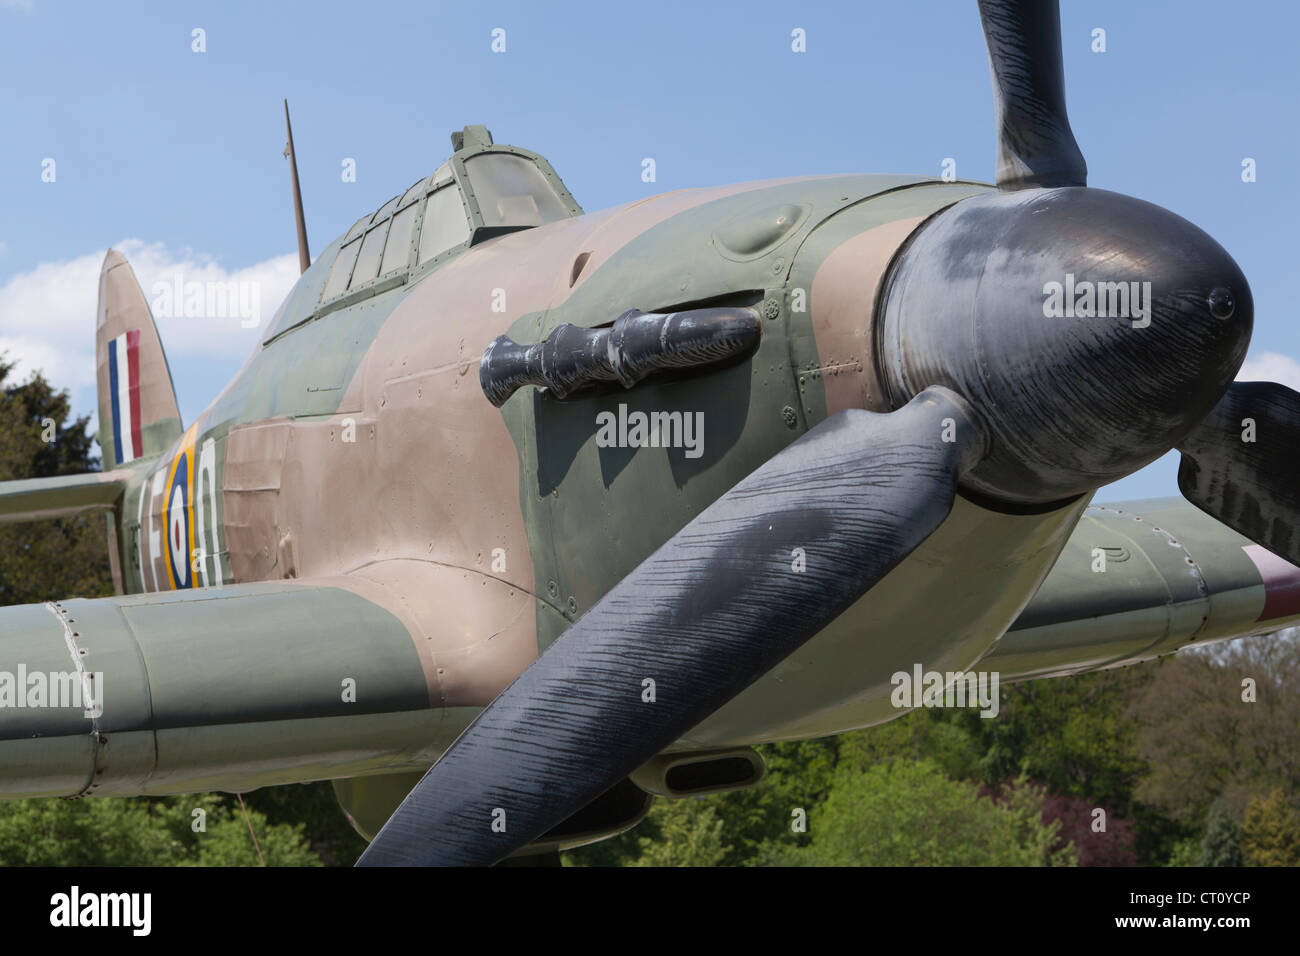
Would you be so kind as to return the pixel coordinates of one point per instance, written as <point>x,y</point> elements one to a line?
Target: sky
<point>175,156</point>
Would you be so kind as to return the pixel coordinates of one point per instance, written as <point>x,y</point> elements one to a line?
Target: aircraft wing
<point>1141,579</point>
<point>224,688</point>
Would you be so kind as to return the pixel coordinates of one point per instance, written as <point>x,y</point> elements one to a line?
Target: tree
<point>686,832</point>
<point>1219,846</point>
<point>1270,835</point>
<point>757,821</point>
<point>46,560</point>
<point>1079,826</point>
<point>315,807</point>
<point>144,832</point>
<point>1076,736</point>
<point>1186,852</point>
<point>903,813</point>
<point>1040,831</point>
<point>1072,735</point>
<point>1204,742</point>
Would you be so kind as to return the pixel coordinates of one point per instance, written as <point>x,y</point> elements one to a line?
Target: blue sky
<point>180,152</point>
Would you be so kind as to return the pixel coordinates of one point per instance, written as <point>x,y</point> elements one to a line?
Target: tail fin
<point>138,415</point>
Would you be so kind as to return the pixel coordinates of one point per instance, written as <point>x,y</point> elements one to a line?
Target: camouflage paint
<point>183,707</point>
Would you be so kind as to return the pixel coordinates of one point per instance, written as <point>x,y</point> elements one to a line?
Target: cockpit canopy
<point>483,190</point>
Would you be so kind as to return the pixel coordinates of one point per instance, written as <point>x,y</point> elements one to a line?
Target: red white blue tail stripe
<point>124,392</point>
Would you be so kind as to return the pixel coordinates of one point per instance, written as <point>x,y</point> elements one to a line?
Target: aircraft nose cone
<point>1090,330</point>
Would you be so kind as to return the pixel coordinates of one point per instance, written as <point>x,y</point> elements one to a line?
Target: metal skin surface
<point>178,713</point>
<point>1173,577</point>
<point>1241,465</point>
<point>658,653</point>
<point>354,506</point>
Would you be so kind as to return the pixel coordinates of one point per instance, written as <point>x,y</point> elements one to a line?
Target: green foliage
<point>316,809</point>
<point>947,738</point>
<point>86,833</point>
<point>1044,839</point>
<point>1220,845</point>
<point>799,776</point>
<point>143,832</point>
<point>904,813</point>
<point>47,560</point>
<point>1075,736</point>
<point>682,833</point>
<point>227,841</point>
<point>1186,853</point>
<point>1270,835</point>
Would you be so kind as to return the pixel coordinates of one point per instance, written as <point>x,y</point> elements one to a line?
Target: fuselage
<point>356,445</point>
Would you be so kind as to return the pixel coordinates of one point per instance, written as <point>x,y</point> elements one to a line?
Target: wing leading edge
<point>1141,579</point>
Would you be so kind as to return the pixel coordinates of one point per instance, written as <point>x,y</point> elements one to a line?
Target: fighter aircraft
<point>582,506</point>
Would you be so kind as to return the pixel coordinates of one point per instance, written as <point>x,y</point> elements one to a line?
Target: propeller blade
<point>1240,465</point>
<point>703,617</point>
<point>1035,144</point>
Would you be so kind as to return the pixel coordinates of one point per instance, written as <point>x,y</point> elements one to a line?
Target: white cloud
<point>1271,367</point>
<point>47,315</point>
<point>24,5</point>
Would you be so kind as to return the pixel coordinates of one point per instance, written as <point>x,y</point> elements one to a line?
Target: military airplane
<point>518,516</point>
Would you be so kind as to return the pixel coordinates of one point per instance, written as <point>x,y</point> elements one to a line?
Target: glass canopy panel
<point>356,228</point>
<point>341,270</point>
<point>511,191</point>
<point>444,223</point>
<point>385,209</point>
<point>413,193</point>
<point>367,266</point>
<point>397,251</point>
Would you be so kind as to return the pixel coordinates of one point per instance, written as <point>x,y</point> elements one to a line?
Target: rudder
<point>138,414</point>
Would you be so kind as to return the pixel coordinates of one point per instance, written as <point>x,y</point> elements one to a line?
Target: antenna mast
<point>304,255</point>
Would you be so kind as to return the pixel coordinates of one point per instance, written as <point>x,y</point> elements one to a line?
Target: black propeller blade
<point>1242,465</point>
<point>1035,144</point>
<point>703,617</point>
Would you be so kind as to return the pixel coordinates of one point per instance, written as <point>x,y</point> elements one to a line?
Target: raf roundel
<point>178,515</point>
